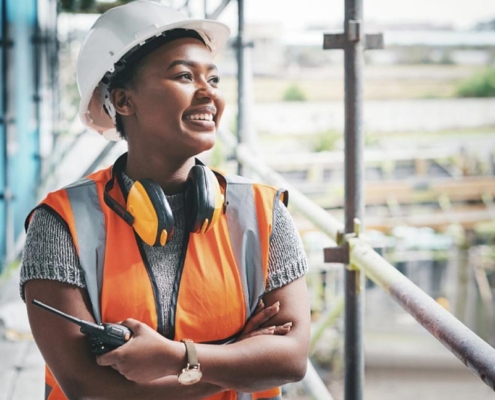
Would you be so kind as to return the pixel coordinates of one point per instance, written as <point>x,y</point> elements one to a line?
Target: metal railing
<point>473,351</point>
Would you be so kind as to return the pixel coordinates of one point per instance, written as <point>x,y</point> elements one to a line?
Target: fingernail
<point>287,325</point>
<point>270,330</point>
<point>276,305</point>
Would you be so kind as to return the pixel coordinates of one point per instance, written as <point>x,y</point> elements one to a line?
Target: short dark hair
<point>127,68</point>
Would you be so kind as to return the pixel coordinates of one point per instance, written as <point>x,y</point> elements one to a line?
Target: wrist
<point>191,373</point>
<point>172,358</point>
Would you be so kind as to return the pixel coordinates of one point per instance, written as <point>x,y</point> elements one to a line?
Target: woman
<point>206,270</point>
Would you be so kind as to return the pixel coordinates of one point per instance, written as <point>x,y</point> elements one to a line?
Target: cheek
<point>220,105</point>
<point>166,106</point>
<point>161,92</point>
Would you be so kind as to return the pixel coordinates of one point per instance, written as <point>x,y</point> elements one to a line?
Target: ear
<point>121,101</point>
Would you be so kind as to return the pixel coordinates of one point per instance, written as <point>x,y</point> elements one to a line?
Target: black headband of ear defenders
<point>138,52</point>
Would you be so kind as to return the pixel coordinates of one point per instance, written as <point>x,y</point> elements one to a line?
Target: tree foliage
<point>294,93</point>
<point>480,85</point>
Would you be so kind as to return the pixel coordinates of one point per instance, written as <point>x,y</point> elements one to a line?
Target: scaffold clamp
<point>340,254</point>
<point>353,33</point>
<point>337,254</point>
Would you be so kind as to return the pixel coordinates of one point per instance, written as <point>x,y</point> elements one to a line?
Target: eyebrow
<point>191,64</point>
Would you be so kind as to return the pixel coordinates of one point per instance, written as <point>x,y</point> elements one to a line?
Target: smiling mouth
<point>199,117</point>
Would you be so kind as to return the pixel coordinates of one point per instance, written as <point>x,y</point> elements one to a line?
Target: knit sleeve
<point>286,258</point>
<point>49,253</point>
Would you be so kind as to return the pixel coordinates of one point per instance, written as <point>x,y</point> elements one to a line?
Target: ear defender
<point>147,210</point>
<point>153,220</point>
<point>204,199</point>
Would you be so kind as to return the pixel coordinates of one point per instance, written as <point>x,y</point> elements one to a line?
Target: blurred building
<point>28,109</point>
<point>277,50</point>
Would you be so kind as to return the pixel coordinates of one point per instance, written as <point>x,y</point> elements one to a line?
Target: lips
<point>201,117</point>
<point>205,113</point>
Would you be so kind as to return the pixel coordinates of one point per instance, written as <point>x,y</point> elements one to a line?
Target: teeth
<point>203,117</point>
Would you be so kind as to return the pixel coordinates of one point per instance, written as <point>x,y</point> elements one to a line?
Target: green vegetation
<point>481,84</point>
<point>325,141</point>
<point>383,82</point>
<point>294,93</point>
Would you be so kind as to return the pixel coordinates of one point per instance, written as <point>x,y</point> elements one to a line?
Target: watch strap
<point>191,355</point>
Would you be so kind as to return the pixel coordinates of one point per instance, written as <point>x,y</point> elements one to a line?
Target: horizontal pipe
<point>326,322</point>
<point>312,212</point>
<point>473,351</point>
<point>313,383</point>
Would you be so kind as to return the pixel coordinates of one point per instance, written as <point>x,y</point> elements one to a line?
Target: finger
<point>106,360</point>
<point>131,323</point>
<point>259,307</point>
<point>272,330</point>
<point>264,315</point>
<point>262,331</point>
<point>283,329</point>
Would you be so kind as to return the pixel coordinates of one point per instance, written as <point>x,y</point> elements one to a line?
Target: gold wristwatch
<point>192,373</point>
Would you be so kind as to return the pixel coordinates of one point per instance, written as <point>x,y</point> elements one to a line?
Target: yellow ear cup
<point>204,199</point>
<point>163,237</point>
<point>141,208</point>
<point>204,227</point>
<point>153,220</point>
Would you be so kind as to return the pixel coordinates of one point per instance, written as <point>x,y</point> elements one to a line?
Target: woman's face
<point>177,104</point>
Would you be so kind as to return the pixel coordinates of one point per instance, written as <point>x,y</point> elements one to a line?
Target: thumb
<point>133,324</point>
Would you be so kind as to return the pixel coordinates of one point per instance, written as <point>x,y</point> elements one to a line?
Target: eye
<point>184,76</point>
<point>214,80</point>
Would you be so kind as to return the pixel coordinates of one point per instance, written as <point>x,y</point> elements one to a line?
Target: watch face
<point>190,376</point>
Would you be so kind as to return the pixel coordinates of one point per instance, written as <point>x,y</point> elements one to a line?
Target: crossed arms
<point>146,367</point>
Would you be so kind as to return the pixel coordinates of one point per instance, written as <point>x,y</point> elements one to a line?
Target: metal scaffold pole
<point>353,167</point>
<point>353,42</point>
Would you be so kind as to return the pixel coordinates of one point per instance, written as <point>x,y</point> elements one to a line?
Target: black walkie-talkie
<point>103,337</point>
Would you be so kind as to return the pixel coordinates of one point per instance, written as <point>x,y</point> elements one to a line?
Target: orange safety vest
<point>217,287</point>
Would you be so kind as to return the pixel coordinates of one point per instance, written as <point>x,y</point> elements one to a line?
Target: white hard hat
<point>117,31</point>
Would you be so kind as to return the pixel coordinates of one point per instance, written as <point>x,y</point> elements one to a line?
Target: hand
<point>261,316</point>
<point>146,356</point>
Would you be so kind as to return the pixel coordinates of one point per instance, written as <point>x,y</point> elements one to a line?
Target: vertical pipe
<point>8,100</point>
<point>240,77</point>
<point>40,44</point>
<point>24,133</point>
<point>354,144</point>
<point>3,137</point>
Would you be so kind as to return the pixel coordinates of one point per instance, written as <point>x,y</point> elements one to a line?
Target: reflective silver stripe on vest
<point>249,396</point>
<point>48,390</point>
<point>91,236</point>
<point>242,223</point>
<point>245,238</point>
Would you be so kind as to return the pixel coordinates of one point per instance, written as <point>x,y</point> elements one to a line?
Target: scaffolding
<point>350,248</point>
<point>358,257</point>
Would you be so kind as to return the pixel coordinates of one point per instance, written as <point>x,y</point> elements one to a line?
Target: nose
<point>207,91</point>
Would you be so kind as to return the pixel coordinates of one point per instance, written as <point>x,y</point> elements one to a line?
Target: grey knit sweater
<point>49,252</point>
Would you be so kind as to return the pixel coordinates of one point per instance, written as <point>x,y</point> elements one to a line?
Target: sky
<point>461,14</point>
